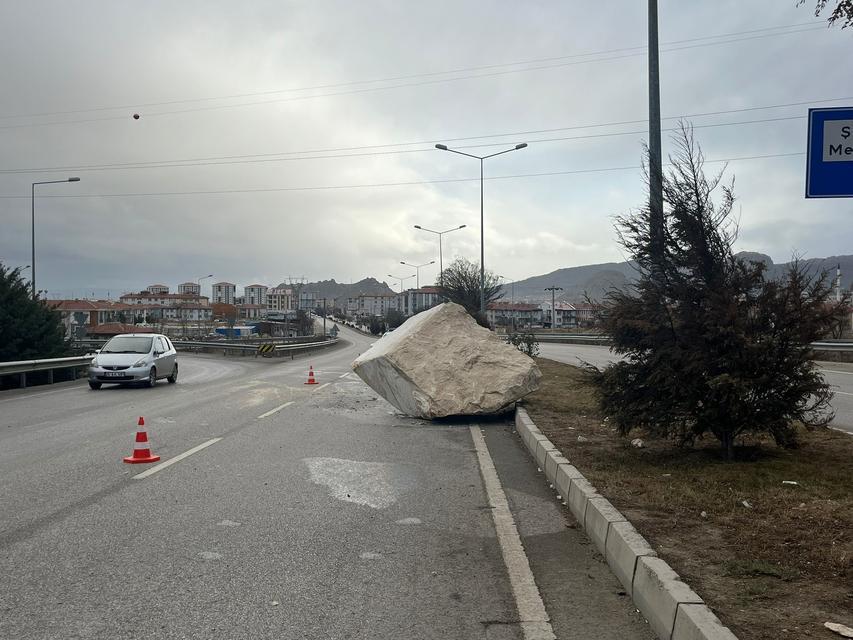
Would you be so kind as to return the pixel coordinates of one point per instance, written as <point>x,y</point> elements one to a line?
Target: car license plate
<point>114,374</point>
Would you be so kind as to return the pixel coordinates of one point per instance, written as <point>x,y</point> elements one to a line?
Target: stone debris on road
<point>441,363</point>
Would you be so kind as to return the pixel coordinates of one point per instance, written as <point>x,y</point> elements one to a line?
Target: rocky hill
<point>331,289</point>
<point>594,280</point>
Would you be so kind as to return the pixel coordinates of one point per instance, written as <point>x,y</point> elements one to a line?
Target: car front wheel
<point>172,379</point>
<point>94,385</point>
<point>152,377</point>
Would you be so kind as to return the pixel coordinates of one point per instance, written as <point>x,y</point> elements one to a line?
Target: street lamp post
<point>553,291</point>
<point>440,255</point>
<point>401,287</point>
<point>444,147</point>
<point>418,270</point>
<point>33,202</point>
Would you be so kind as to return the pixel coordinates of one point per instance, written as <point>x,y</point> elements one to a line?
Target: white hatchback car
<point>134,357</point>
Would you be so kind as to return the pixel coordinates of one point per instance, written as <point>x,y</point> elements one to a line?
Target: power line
<point>398,86</point>
<point>368,149</point>
<point>387,184</point>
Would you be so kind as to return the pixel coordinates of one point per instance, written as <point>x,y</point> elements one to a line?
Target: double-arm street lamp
<point>33,201</point>
<point>444,147</point>
<point>440,255</point>
<point>401,280</point>
<point>417,268</point>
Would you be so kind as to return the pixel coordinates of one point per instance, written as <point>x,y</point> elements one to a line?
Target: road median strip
<point>674,611</point>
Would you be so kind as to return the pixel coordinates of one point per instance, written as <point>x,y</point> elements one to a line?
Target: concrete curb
<point>673,610</point>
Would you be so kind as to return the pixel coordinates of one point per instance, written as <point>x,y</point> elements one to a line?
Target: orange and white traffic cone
<point>141,450</point>
<point>311,379</point>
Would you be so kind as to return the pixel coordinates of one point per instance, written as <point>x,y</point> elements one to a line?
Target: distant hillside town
<point>280,311</point>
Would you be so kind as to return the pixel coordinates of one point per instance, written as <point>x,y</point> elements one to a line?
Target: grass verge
<point>773,559</point>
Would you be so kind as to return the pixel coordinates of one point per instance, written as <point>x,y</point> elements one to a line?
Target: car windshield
<point>127,344</point>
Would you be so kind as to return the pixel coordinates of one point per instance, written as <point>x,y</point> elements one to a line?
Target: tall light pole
<point>33,201</point>
<point>440,256</point>
<point>418,270</point>
<point>553,291</point>
<point>210,275</point>
<point>655,154</point>
<point>444,147</point>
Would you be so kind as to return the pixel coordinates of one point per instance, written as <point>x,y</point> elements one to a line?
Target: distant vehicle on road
<point>134,357</point>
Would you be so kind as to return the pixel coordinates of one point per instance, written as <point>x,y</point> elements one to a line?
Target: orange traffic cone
<point>311,379</point>
<point>141,450</point>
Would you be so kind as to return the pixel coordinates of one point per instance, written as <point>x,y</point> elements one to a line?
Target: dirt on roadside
<point>765,540</point>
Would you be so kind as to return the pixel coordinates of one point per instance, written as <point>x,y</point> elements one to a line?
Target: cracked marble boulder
<point>441,363</point>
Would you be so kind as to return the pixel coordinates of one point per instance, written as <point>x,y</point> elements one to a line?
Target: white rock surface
<point>442,363</point>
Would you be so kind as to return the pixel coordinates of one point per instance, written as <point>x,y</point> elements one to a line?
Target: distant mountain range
<point>594,280</point>
<point>331,289</point>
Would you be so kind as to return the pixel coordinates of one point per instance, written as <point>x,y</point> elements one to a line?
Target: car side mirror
<point>157,354</point>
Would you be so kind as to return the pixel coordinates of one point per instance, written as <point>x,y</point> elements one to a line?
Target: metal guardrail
<point>23,367</point>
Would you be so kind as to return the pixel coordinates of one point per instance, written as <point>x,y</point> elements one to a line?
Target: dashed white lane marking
<point>178,458</point>
<point>322,386</point>
<point>276,410</point>
<point>347,375</point>
<point>846,373</point>
<point>531,610</point>
<point>843,393</point>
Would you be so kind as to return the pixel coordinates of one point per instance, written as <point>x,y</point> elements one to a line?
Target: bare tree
<point>843,12</point>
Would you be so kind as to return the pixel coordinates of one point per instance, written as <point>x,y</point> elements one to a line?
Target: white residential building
<point>279,300</point>
<point>224,293</point>
<point>164,299</point>
<point>157,288</point>
<point>255,294</point>
<point>566,315</point>
<point>367,305</point>
<point>517,314</point>
<point>413,301</point>
<point>189,287</point>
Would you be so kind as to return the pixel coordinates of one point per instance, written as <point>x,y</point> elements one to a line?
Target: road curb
<point>673,609</point>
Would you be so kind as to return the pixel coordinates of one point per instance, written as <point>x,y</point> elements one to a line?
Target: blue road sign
<point>829,164</point>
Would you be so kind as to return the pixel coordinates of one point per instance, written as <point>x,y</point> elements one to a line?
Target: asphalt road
<point>313,512</point>
<point>838,374</point>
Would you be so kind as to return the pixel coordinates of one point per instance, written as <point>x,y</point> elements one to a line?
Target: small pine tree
<point>710,345</point>
<point>29,329</point>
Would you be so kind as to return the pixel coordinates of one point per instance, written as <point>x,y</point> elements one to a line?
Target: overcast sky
<point>304,132</point>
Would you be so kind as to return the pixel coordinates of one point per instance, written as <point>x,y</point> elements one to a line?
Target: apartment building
<point>414,301</point>
<point>518,314</point>
<point>157,288</point>
<point>279,300</point>
<point>224,293</point>
<point>192,288</point>
<point>255,294</point>
<point>367,305</point>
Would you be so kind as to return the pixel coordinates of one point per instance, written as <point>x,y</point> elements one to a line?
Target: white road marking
<point>846,373</point>
<point>322,386</point>
<point>346,375</point>
<point>843,393</point>
<point>531,610</point>
<point>276,410</point>
<point>178,458</point>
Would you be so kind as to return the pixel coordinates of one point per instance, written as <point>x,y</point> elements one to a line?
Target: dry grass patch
<point>773,560</point>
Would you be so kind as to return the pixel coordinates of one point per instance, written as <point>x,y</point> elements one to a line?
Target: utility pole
<point>655,155</point>
<point>553,291</point>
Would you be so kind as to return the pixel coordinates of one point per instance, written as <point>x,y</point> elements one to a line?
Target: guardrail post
<point>50,376</point>
<point>23,380</point>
